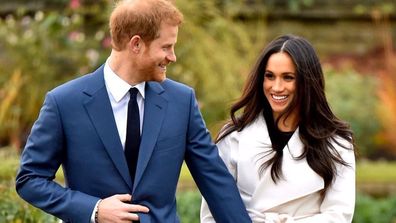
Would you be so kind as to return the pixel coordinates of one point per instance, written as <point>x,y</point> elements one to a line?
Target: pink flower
<point>74,4</point>
<point>106,42</point>
<point>76,36</point>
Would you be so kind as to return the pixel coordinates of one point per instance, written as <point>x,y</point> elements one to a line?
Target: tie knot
<point>133,92</point>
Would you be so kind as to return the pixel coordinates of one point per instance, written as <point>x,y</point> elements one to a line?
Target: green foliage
<point>214,55</point>
<point>8,165</point>
<point>296,5</point>
<point>369,210</point>
<point>353,98</point>
<point>188,206</point>
<point>46,49</point>
<point>13,209</point>
<point>386,7</point>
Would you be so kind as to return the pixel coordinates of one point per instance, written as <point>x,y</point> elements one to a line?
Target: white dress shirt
<point>118,91</point>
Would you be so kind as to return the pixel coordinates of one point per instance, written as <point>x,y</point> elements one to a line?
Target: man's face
<point>158,54</point>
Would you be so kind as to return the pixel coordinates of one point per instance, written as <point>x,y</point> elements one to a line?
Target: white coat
<point>295,197</point>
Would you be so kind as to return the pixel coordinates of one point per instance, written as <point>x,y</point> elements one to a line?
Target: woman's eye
<point>268,75</point>
<point>289,77</point>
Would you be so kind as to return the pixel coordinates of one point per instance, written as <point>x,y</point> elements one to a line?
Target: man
<point>118,170</point>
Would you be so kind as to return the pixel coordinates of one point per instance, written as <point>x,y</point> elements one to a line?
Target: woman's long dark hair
<point>318,126</point>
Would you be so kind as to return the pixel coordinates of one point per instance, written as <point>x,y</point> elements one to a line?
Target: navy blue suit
<point>76,129</point>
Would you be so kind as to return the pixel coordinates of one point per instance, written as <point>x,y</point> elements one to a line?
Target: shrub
<point>353,98</point>
<point>37,53</point>
<point>13,209</point>
<point>370,210</point>
<point>188,206</point>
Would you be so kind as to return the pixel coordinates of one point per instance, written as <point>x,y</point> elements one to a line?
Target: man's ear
<point>135,43</point>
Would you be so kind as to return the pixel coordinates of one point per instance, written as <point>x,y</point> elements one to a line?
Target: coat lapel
<point>154,112</point>
<point>299,179</point>
<point>294,185</point>
<point>99,110</point>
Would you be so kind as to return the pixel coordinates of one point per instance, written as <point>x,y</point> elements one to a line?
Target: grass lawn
<point>376,172</point>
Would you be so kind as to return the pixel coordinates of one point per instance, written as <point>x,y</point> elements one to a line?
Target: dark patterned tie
<point>132,141</point>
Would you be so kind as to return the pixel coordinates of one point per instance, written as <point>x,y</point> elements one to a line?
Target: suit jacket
<point>76,129</point>
<point>294,198</point>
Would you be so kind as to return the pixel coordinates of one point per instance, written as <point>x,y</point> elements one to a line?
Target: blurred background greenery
<point>46,42</point>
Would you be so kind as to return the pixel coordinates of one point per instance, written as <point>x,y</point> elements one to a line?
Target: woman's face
<point>280,83</point>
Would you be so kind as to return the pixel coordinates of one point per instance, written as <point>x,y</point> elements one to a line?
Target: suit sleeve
<point>40,160</point>
<point>214,181</point>
<point>227,147</point>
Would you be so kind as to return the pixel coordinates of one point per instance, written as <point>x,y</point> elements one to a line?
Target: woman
<point>292,158</point>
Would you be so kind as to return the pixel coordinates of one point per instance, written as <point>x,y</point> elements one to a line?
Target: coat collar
<point>266,194</point>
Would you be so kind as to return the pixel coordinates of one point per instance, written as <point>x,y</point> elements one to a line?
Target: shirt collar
<point>116,86</point>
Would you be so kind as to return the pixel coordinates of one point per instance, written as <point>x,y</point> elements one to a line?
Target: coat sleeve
<point>213,179</point>
<point>40,160</point>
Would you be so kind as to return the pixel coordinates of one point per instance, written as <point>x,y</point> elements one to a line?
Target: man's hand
<point>117,208</point>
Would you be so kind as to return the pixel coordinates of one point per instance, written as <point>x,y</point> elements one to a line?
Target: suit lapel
<point>99,110</point>
<point>154,112</point>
